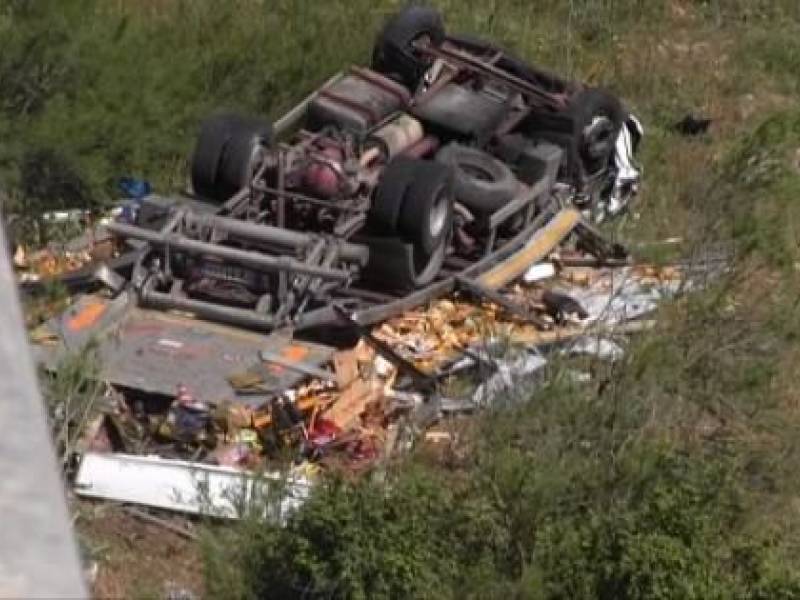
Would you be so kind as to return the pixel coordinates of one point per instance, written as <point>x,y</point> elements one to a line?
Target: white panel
<point>185,486</point>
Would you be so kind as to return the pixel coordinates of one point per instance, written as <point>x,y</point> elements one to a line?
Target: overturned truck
<point>449,160</point>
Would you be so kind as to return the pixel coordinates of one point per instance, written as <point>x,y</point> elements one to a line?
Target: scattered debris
<point>539,272</point>
<point>176,529</point>
<point>562,308</point>
<point>244,399</point>
<point>693,125</point>
<point>506,379</point>
<point>596,346</point>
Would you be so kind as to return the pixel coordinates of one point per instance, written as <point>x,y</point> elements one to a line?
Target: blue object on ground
<point>134,190</point>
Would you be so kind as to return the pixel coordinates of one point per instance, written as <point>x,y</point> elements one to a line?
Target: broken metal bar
<point>286,194</point>
<point>542,339</point>
<point>276,235</point>
<point>464,60</point>
<point>414,299</point>
<point>110,278</point>
<point>523,198</point>
<point>406,367</point>
<point>347,227</point>
<point>477,289</point>
<point>324,316</point>
<point>591,261</point>
<point>233,204</point>
<point>281,199</point>
<point>176,529</point>
<point>305,368</point>
<point>456,263</point>
<point>245,258</point>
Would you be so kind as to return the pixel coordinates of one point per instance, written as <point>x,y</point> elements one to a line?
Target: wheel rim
<point>598,131</point>
<point>428,266</point>
<point>438,214</point>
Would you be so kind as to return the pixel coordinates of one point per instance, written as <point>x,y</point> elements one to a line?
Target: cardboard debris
<point>345,364</point>
<point>352,402</point>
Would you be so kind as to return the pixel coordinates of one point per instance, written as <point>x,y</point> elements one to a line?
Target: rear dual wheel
<point>229,151</point>
<point>413,203</point>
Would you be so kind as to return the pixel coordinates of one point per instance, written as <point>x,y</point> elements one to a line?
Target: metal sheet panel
<point>154,352</point>
<point>185,486</point>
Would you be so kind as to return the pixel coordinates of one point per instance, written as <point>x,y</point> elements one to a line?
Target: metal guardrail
<point>38,555</point>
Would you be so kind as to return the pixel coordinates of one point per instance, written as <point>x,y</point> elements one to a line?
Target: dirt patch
<point>137,559</point>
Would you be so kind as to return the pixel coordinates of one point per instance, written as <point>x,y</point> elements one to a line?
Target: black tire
<point>384,212</point>
<point>223,158</point>
<point>482,183</point>
<point>244,154</point>
<point>394,55</point>
<point>427,213</point>
<point>394,264</point>
<point>214,134</point>
<point>585,107</point>
<point>567,130</point>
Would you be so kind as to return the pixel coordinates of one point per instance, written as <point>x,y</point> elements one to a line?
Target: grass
<point>71,395</point>
<point>674,474</point>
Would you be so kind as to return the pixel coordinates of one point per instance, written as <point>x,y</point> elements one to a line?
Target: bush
<point>667,526</point>
<point>420,540</point>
